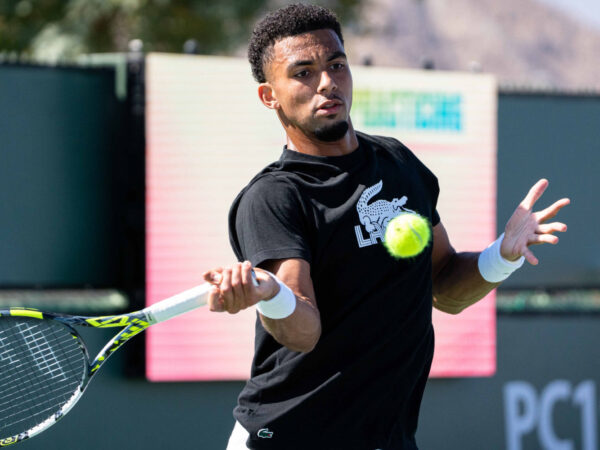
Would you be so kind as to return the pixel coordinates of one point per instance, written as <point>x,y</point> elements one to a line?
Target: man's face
<point>312,84</point>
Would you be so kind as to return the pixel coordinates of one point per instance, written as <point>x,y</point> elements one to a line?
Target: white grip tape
<point>281,305</point>
<point>493,267</point>
<point>178,304</point>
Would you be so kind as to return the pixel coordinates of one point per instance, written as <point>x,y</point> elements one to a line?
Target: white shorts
<point>237,440</point>
<point>239,435</point>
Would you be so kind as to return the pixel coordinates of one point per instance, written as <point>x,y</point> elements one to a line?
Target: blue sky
<point>587,11</point>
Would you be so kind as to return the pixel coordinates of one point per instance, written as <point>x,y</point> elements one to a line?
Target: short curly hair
<point>288,21</point>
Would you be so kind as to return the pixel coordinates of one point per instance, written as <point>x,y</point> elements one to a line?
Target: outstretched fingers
<point>526,227</point>
<point>530,257</point>
<point>552,210</point>
<point>549,228</point>
<point>534,194</point>
<point>542,239</point>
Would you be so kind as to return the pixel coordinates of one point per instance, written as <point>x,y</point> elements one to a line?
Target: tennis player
<point>344,338</point>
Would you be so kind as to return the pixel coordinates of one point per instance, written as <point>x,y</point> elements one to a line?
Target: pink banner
<point>204,145</point>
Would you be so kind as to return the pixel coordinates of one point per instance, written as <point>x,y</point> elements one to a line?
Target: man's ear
<point>267,96</point>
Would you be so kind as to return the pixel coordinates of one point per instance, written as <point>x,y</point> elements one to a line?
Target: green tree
<point>59,29</point>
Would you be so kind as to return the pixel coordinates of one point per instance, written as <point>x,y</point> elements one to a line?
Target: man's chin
<point>332,132</point>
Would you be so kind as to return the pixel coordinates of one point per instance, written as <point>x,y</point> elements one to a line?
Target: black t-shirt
<point>361,387</point>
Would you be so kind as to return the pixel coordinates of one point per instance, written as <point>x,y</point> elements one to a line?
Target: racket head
<point>44,369</point>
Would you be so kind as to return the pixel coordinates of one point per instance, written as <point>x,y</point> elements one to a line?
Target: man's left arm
<point>462,279</point>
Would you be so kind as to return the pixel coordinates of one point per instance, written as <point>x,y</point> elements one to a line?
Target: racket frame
<point>131,323</point>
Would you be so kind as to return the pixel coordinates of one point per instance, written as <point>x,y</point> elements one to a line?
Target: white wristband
<point>281,305</point>
<point>493,267</point>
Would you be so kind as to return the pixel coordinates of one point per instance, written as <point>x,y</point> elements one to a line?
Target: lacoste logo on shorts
<point>264,433</point>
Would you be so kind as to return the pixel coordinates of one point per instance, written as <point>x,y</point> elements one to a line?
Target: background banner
<point>207,134</point>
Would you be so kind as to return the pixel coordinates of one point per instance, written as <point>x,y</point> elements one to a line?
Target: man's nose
<point>326,82</point>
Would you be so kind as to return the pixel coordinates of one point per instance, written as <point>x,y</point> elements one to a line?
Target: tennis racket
<point>45,366</point>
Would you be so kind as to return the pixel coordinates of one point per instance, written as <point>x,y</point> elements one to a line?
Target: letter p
<point>520,412</point>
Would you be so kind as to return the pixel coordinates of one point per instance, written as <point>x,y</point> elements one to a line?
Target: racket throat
<point>136,327</point>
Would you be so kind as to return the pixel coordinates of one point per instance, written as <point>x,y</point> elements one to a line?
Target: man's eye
<point>337,66</point>
<point>302,74</point>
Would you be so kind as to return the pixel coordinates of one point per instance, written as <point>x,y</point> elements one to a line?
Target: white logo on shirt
<point>375,216</point>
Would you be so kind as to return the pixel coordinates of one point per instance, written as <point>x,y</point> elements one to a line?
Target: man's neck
<point>298,141</point>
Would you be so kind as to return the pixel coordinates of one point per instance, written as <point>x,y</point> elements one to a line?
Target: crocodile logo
<point>264,433</point>
<point>375,216</point>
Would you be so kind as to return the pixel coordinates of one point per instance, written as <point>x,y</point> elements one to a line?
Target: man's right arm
<point>234,291</point>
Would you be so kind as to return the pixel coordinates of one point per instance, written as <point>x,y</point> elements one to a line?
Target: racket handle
<point>181,303</point>
<point>178,304</point>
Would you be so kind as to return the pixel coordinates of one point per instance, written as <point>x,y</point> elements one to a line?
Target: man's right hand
<point>235,289</point>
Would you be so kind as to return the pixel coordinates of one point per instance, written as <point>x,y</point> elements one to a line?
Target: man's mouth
<point>330,106</point>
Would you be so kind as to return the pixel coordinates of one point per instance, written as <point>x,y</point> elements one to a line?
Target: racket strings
<point>41,366</point>
<point>33,394</point>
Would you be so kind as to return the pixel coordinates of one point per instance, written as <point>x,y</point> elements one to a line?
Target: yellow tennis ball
<point>407,235</point>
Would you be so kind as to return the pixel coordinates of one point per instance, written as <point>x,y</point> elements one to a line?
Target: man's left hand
<point>526,227</point>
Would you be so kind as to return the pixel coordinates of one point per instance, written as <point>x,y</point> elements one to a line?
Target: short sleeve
<point>429,179</point>
<point>435,218</point>
<point>432,186</point>
<point>267,221</point>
